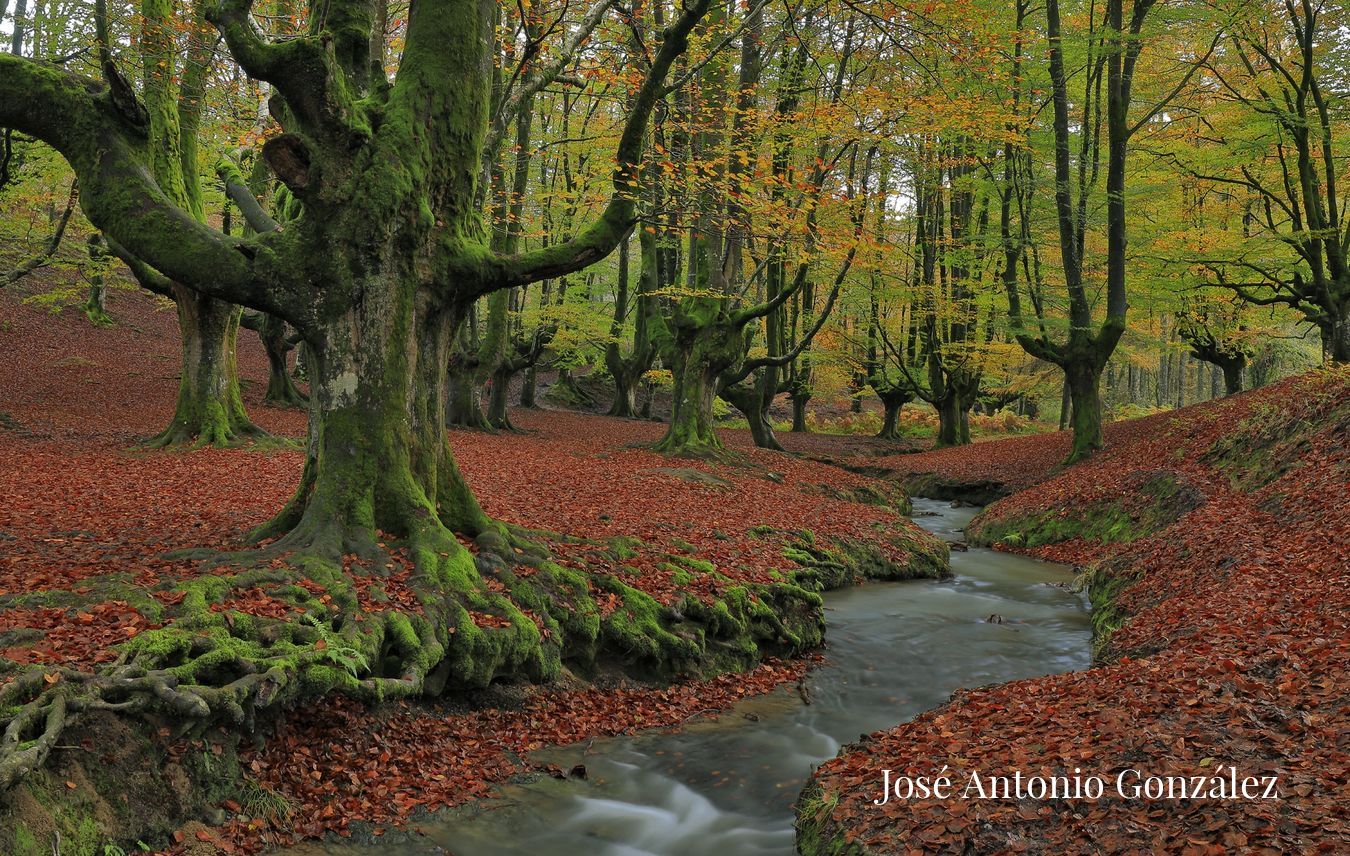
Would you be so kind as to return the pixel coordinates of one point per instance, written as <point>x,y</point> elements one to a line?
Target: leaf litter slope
<point>86,521</point>
<point>1233,652</point>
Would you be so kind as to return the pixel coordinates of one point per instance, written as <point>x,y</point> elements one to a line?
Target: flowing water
<point>726,786</point>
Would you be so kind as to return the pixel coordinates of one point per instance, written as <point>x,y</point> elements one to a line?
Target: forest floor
<point>87,518</point>
<point>1218,532</point>
<point>1217,545</point>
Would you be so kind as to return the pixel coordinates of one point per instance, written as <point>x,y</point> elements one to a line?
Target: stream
<point>726,786</point>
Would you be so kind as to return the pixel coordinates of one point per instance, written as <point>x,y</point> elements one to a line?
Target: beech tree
<point>1108,81</point>
<point>387,253</point>
<point>1282,73</point>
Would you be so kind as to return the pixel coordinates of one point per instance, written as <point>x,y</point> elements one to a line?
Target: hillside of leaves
<point>87,518</point>
<point>1217,547</point>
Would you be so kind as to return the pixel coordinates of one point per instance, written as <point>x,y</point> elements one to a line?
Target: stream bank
<point>727,785</point>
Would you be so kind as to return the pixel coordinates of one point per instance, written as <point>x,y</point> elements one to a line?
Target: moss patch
<point>1159,500</point>
<point>114,789</point>
<point>822,567</point>
<point>1274,440</point>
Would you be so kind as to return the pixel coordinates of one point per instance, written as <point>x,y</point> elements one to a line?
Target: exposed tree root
<point>220,432</point>
<point>500,610</point>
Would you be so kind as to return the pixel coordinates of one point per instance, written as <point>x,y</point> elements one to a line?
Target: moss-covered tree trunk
<point>281,388</point>
<point>697,364</point>
<point>959,392</point>
<point>1083,378</point>
<point>750,401</point>
<point>627,371</point>
<point>799,398</point>
<point>1232,376</point>
<point>498,414</point>
<point>387,252</point>
<point>209,409</point>
<point>96,304</point>
<point>1336,332</point>
<point>465,402</point>
<point>624,404</point>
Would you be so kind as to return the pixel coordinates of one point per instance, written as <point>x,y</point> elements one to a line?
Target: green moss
<point>881,493</point>
<point>636,633</point>
<point>1113,521</point>
<point>700,566</point>
<point>848,562</point>
<point>1104,584</point>
<point>817,834</point>
<point>1273,440</point>
<point>624,548</point>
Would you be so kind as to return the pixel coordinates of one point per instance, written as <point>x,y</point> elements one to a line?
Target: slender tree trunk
<point>1232,376</point>
<point>799,401</point>
<point>210,410</point>
<point>96,306</point>
<point>20,21</point>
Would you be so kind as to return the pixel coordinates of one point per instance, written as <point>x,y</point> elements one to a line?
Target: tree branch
<point>603,235</point>
<point>107,150</point>
<point>542,77</point>
<point>53,243</point>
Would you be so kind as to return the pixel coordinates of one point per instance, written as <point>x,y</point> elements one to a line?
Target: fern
<point>336,650</point>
